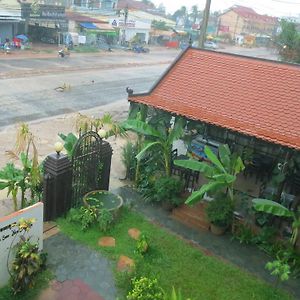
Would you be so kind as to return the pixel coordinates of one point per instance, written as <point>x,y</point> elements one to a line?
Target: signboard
<point>121,23</point>
<point>41,11</point>
<point>10,235</point>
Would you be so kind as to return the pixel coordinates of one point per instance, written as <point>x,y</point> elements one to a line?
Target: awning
<point>88,25</point>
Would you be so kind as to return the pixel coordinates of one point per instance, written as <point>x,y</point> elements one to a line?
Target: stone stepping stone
<point>107,241</point>
<point>125,264</point>
<point>134,233</point>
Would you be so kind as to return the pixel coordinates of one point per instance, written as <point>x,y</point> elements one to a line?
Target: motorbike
<point>64,53</point>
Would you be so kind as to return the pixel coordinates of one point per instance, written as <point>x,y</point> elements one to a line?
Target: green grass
<point>175,263</point>
<point>41,283</point>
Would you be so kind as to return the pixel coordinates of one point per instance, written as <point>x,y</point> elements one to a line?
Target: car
<point>210,45</point>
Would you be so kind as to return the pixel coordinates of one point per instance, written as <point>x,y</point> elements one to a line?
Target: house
<point>10,19</point>
<point>239,21</point>
<point>251,104</point>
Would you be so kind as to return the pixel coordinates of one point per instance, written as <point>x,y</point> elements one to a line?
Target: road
<point>28,86</point>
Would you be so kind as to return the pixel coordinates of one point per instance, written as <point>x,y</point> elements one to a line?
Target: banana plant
<point>276,209</point>
<point>220,172</point>
<point>11,178</point>
<point>157,139</point>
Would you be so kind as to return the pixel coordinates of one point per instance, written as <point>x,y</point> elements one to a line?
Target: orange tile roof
<point>252,96</point>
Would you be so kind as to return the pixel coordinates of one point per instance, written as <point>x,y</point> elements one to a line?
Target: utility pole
<point>203,27</point>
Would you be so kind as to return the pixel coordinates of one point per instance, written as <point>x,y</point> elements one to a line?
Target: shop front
<point>45,23</point>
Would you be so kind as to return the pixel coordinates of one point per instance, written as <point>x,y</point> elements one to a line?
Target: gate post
<point>105,158</point>
<point>57,191</point>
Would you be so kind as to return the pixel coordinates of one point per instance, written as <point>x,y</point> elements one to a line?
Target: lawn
<point>175,263</point>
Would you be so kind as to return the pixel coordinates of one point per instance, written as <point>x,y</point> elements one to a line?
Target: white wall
<point>9,235</point>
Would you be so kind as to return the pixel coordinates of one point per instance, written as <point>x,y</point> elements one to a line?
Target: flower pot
<point>217,230</point>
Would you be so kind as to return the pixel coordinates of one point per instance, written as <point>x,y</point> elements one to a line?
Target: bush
<point>27,264</point>
<point>220,211</point>
<point>168,189</point>
<point>142,245</point>
<point>129,151</point>
<point>105,219</point>
<point>144,288</point>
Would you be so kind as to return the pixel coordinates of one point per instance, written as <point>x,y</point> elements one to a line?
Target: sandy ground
<point>46,131</point>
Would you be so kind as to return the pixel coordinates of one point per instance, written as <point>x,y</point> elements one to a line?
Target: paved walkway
<point>247,257</point>
<point>79,271</point>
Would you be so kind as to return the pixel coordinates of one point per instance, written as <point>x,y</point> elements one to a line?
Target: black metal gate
<point>91,162</point>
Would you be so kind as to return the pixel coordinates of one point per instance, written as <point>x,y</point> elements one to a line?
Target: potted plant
<point>220,213</point>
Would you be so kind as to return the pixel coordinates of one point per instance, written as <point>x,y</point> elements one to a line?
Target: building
<point>43,22</point>
<point>240,21</point>
<point>10,19</point>
<point>251,104</point>
<point>102,5</point>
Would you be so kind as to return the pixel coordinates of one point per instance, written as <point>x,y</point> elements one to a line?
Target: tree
<point>160,25</point>
<point>162,140</point>
<point>289,42</point>
<point>180,13</point>
<point>194,13</point>
<point>221,173</point>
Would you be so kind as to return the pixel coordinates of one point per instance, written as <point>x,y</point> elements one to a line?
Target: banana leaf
<point>271,207</point>
<point>195,165</point>
<point>198,195</point>
<point>145,149</point>
<point>214,159</point>
<point>141,127</point>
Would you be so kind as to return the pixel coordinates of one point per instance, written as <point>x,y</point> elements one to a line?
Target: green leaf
<point>224,154</point>
<point>271,207</point>
<point>70,142</point>
<point>224,178</point>
<point>3,185</point>
<point>198,195</point>
<point>177,131</point>
<point>141,127</point>
<point>195,165</point>
<point>213,158</point>
<point>145,149</point>
<point>238,166</point>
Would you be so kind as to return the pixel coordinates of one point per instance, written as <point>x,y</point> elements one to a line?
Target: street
<point>29,88</point>
<point>32,88</point>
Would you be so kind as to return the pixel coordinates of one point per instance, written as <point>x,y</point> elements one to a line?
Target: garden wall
<point>10,235</point>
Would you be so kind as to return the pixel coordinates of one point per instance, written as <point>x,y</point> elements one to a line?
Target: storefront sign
<point>43,11</point>
<point>10,235</point>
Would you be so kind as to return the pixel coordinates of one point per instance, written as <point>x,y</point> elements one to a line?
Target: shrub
<point>129,152</point>
<point>220,211</point>
<point>144,288</point>
<point>142,245</point>
<point>27,264</point>
<point>168,189</point>
<point>86,216</point>
<point>105,219</point>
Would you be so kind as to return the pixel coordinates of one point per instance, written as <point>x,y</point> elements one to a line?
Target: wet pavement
<point>247,257</point>
<point>88,273</point>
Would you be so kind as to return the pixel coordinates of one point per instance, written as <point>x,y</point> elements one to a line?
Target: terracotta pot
<point>217,230</point>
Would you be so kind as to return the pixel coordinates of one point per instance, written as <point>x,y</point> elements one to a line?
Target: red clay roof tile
<point>252,96</point>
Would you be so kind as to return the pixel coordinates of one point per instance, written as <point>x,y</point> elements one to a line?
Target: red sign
<point>223,28</point>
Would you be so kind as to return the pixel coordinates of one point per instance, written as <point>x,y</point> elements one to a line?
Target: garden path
<point>247,257</point>
<point>79,269</point>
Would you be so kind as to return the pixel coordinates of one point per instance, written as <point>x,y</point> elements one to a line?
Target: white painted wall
<point>9,236</point>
